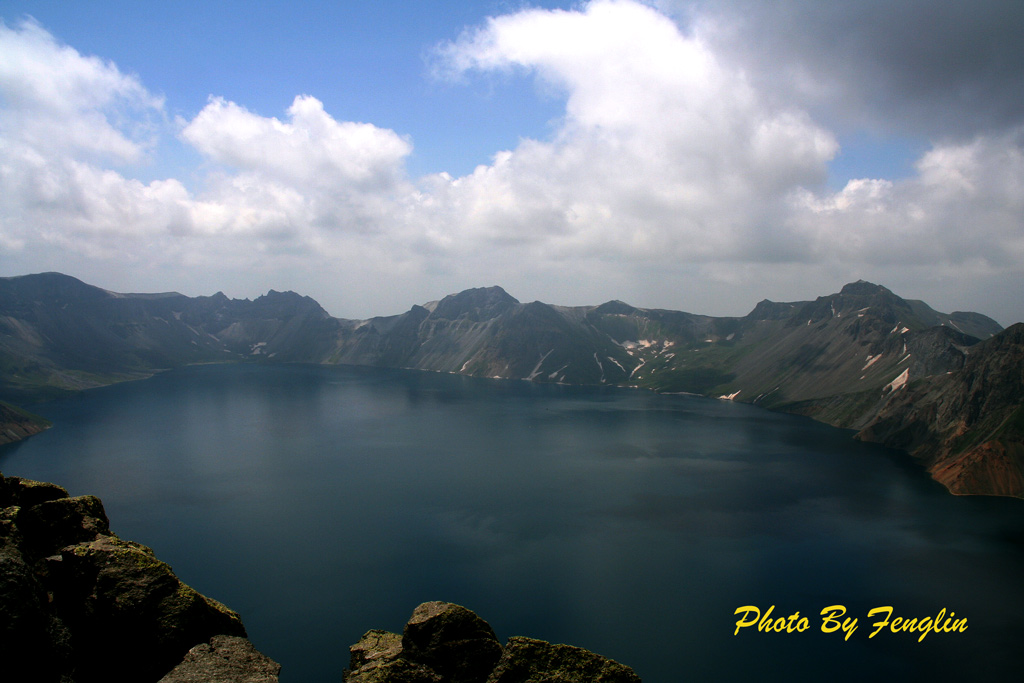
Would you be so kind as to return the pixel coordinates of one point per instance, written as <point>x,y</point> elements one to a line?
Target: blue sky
<point>365,61</point>
<point>675,153</point>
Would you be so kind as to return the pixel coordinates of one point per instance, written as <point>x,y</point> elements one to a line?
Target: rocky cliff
<point>78,604</point>
<point>849,359</point>
<point>966,425</point>
<point>447,643</point>
<point>17,424</point>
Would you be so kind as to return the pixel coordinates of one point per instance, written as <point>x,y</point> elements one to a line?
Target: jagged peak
<point>274,292</point>
<point>862,293</point>
<point>275,296</point>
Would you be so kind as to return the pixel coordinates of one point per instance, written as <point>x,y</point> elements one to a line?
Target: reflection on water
<point>320,502</point>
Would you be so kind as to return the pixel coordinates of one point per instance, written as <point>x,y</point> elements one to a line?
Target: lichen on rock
<point>527,660</point>
<point>447,643</point>
<point>225,659</point>
<point>78,604</point>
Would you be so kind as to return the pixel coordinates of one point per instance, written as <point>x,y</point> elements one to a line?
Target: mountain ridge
<point>847,359</point>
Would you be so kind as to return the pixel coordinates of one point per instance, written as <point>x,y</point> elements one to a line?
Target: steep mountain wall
<point>851,359</point>
<point>967,425</point>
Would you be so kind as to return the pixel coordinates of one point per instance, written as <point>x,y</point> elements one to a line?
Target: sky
<point>683,154</point>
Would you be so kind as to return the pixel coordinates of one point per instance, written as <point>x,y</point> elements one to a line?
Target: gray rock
<point>26,492</point>
<point>78,604</point>
<point>110,590</point>
<point>374,648</point>
<point>377,658</point>
<point>446,643</point>
<point>451,640</point>
<point>55,524</point>
<point>225,659</point>
<point>526,660</point>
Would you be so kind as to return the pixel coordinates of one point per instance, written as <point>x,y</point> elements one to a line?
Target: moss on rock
<point>72,593</point>
<point>447,643</point>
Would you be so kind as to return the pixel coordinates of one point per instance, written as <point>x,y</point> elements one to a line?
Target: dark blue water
<point>320,502</point>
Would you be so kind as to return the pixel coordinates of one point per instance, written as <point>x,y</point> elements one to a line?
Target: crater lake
<point>323,501</point>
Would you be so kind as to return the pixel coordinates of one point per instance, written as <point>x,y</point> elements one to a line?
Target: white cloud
<point>964,206</point>
<point>313,150</point>
<point>294,178</point>
<point>669,170</point>
<point>663,153</point>
<point>277,189</point>
<point>63,117</point>
<point>57,100</point>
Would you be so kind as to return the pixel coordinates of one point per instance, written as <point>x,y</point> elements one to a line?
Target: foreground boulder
<point>78,604</point>
<point>225,659</point>
<point>446,643</point>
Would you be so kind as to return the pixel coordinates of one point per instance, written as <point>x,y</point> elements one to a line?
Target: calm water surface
<point>320,502</point>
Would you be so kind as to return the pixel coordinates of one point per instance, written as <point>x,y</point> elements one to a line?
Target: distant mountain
<point>58,334</point>
<point>863,359</point>
<point>17,424</point>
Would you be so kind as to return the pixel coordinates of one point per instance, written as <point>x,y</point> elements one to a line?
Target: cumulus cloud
<point>965,205</point>
<point>57,99</point>
<point>663,152</point>
<point>312,150</point>
<point>310,172</point>
<point>65,117</point>
<point>680,162</point>
<point>676,163</point>
<point>274,190</point>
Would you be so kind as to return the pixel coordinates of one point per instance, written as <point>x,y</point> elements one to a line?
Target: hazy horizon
<point>436,298</point>
<point>679,154</point>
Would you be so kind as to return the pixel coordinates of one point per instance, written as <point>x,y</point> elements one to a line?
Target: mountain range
<point>948,388</point>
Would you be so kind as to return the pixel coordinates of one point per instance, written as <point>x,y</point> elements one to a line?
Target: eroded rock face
<point>16,424</point>
<point>225,659</point>
<point>446,643</point>
<point>451,640</point>
<point>78,604</point>
<point>526,660</point>
<point>966,427</point>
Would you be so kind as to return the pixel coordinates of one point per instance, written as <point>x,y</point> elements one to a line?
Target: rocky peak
<point>856,299</point>
<point>864,288</point>
<point>283,305</point>
<point>772,310</point>
<point>480,304</point>
<point>615,307</point>
<point>49,288</point>
<point>870,298</point>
